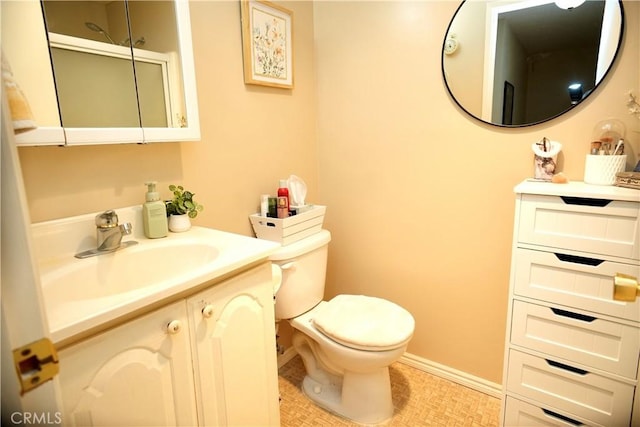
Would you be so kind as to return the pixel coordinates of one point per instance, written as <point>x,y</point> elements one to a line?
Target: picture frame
<point>267,44</point>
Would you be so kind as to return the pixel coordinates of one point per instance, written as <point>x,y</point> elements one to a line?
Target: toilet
<point>346,343</point>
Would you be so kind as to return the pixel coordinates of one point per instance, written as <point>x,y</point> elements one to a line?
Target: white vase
<point>179,223</point>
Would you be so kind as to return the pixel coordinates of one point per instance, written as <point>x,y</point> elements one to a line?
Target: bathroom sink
<point>81,294</point>
<point>127,270</point>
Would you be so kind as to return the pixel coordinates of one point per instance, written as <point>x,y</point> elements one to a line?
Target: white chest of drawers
<point>572,354</point>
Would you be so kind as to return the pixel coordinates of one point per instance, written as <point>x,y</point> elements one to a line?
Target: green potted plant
<point>181,208</point>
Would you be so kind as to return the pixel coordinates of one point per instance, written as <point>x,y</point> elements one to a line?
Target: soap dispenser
<point>154,213</point>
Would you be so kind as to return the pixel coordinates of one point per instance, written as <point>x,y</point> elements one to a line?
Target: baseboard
<point>454,375</point>
<point>476,383</point>
<point>288,354</point>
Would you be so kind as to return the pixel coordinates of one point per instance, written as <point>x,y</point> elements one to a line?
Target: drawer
<point>562,222</point>
<point>587,340</point>
<point>585,283</point>
<point>522,414</point>
<point>571,389</point>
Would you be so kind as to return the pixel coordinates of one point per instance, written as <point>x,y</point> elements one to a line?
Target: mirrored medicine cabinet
<point>104,72</point>
<point>521,63</point>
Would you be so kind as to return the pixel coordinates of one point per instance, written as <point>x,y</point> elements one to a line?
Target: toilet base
<point>363,398</point>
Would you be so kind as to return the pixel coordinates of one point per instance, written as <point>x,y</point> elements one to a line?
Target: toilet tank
<point>304,268</point>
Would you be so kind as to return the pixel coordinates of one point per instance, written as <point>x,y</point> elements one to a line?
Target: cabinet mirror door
<point>163,62</point>
<point>26,52</point>
<point>120,69</point>
<point>93,69</point>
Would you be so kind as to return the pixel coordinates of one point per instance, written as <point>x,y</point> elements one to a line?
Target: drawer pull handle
<point>562,417</point>
<point>566,367</point>
<point>625,287</point>
<point>583,201</point>
<point>579,259</point>
<point>577,316</point>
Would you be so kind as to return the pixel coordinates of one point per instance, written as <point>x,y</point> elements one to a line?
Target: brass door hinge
<point>35,363</point>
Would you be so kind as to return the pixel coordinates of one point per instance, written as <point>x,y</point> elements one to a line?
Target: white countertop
<point>72,313</point>
<point>578,189</point>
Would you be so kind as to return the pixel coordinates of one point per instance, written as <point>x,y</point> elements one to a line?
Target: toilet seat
<point>364,323</point>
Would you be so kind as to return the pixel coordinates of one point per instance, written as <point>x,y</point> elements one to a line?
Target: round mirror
<point>520,63</point>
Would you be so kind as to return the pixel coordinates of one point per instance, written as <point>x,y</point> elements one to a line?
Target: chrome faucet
<point>109,232</point>
<point>109,235</point>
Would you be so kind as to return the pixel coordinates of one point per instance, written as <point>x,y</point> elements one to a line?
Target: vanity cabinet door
<point>138,373</point>
<point>233,333</point>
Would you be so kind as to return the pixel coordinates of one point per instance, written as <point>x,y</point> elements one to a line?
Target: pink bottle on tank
<point>283,199</point>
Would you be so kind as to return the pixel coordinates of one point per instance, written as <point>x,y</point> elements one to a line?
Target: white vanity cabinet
<point>205,359</point>
<point>138,373</point>
<point>235,359</point>
<point>572,352</point>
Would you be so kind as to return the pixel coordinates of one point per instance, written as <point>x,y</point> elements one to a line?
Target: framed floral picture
<point>267,44</point>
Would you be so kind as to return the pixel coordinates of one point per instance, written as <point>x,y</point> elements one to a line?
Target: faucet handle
<point>107,219</point>
<point>126,228</point>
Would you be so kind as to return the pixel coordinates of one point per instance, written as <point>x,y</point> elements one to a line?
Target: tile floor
<point>419,398</point>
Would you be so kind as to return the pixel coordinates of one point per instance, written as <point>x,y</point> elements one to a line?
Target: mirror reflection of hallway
<point>538,48</point>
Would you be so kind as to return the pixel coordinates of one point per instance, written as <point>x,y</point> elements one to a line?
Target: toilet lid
<point>363,322</point>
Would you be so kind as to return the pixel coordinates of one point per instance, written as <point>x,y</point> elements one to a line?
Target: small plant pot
<point>179,223</point>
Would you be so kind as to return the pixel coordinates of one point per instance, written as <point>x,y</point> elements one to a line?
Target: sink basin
<point>82,294</point>
<point>127,270</point>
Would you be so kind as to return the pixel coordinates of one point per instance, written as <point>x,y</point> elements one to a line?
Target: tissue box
<point>288,230</point>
